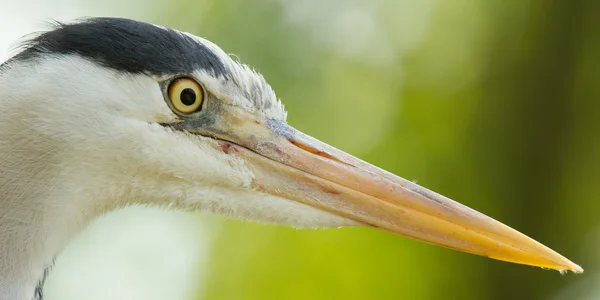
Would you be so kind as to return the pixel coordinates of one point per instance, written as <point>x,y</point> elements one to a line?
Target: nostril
<point>314,151</point>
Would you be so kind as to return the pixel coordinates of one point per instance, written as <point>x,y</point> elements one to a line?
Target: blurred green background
<point>493,103</point>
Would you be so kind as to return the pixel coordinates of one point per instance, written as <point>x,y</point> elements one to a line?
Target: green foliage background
<point>492,103</point>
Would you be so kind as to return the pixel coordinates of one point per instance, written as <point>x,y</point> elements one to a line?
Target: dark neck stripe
<point>39,289</point>
<point>126,45</point>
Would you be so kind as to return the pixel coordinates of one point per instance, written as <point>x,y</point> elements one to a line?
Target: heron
<point>101,113</point>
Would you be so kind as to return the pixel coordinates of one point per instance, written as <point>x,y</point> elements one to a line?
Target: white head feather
<point>78,140</point>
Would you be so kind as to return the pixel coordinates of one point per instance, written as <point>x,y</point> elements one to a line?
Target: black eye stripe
<point>127,46</point>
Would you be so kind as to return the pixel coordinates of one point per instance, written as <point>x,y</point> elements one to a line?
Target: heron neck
<point>42,206</point>
<point>30,239</point>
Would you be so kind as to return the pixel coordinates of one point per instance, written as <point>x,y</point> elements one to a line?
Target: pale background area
<point>415,87</point>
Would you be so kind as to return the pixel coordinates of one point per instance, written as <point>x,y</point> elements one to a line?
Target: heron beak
<point>291,165</point>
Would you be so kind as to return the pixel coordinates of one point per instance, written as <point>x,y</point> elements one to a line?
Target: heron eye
<point>186,95</point>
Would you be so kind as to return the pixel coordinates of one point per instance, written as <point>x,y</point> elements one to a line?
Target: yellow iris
<point>186,95</point>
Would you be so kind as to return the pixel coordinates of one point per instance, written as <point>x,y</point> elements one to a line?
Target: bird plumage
<point>82,135</point>
<point>88,125</point>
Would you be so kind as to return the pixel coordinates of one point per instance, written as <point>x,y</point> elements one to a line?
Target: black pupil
<point>188,97</point>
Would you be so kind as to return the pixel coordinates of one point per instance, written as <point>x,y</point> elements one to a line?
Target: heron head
<point>122,112</point>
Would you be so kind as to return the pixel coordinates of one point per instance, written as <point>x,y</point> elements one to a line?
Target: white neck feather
<point>78,140</point>
<point>57,171</point>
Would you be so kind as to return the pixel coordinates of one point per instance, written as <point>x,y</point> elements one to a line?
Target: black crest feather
<point>125,45</point>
